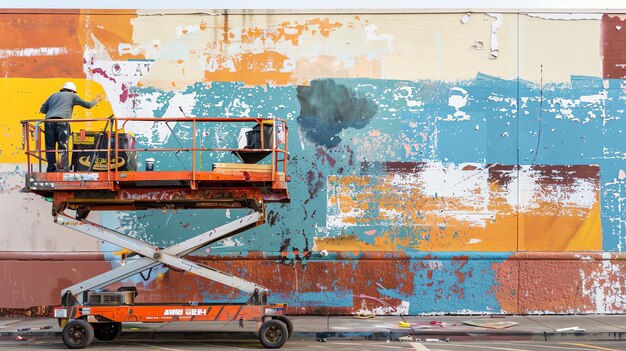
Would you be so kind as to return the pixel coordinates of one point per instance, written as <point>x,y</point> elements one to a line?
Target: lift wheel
<point>273,334</point>
<point>77,334</point>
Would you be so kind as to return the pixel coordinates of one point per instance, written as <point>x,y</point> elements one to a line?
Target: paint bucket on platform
<point>149,164</point>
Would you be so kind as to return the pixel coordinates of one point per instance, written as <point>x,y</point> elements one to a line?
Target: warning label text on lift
<point>185,312</point>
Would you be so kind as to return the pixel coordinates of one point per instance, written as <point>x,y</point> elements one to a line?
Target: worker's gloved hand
<point>98,98</point>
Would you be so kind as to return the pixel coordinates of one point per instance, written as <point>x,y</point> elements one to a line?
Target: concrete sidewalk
<point>394,328</point>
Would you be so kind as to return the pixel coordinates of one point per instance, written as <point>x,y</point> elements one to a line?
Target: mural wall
<point>440,163</point>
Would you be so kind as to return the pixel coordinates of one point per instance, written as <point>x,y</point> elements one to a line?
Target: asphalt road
<point>343,345</point>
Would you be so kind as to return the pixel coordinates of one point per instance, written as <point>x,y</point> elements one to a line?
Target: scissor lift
<point>86,310</point>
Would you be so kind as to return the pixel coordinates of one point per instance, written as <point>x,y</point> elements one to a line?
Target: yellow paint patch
<point>21,99</point>
<point>561,233</point>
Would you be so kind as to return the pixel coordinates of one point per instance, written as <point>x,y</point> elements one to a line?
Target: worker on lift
<point>60,106</point>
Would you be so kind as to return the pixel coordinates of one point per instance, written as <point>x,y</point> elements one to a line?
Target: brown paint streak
<point>547,175</point>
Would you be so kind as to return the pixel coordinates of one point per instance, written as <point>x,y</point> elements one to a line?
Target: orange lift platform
<point>100,172</point>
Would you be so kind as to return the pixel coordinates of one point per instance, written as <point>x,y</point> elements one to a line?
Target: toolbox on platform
<point>84,160</point>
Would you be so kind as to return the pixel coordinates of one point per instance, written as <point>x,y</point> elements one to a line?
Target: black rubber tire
<point>77,334</point>
<point>287,322</point>
<point>106,331</point>
<point>273,334</point>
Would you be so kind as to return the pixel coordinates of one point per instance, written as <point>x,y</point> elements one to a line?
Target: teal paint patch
<point>328,299</point>
<point>479,121</point>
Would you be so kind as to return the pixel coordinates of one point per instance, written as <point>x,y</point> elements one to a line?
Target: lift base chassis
<point>170,313</point>
<point>81,323</point>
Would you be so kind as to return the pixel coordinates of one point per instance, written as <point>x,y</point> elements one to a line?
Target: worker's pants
<point>57,136</point>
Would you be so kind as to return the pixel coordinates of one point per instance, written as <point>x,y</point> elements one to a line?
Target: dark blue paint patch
<point>327,108</point>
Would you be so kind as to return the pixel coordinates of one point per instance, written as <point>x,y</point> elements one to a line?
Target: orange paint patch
<point>292,32</point>
<point>243,61</point>
<point>252,69</point>
<point>41,46</point>
<point>110,31</point>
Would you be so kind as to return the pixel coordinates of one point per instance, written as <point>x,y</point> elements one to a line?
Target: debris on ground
<point>488,323</point>
<point>437,340</point>
<point>406,338</point>
<point>364,315</point>
<point>571,329</point>
<point>425,325</point>
<point>35,328</point>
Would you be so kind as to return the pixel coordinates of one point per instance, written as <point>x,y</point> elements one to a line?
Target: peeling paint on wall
<point>435,179</point>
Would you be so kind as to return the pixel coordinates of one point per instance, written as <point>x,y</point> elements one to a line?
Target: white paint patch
<point>121,77</point>
<point>400,310</point>
<point>228,242</point>
<point>606,286</point>
<point>582,195</point>
<point>407,94</point>
<point>595,98</point>
<point>473,241</point>
<point>621,175</point>
<point>371,35</point>
<point>467,184</point>
<point>28,52</point>
<point>495,46</point>
<point>191,29</point>
<point>128,49</point>
<point>458,99</point>
<point>466,18</point>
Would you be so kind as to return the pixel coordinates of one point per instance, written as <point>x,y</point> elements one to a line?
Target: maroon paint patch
<point>613,47</point>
